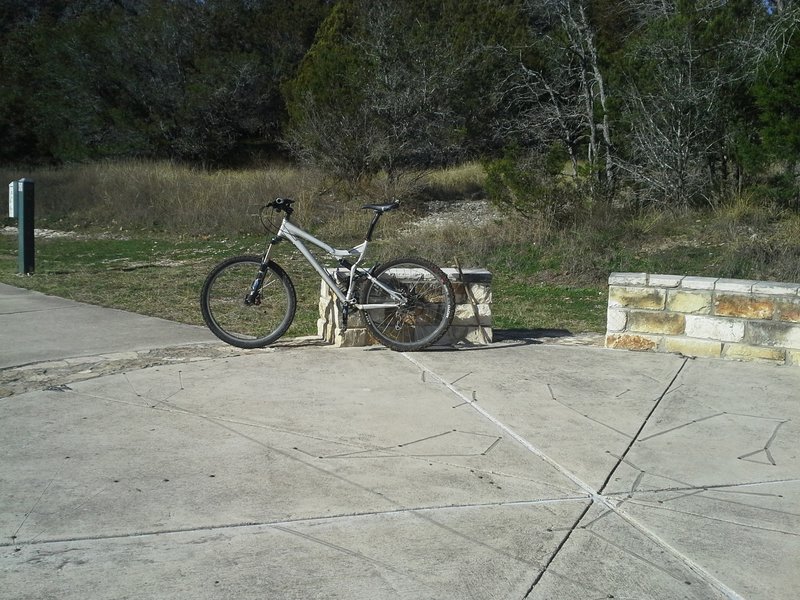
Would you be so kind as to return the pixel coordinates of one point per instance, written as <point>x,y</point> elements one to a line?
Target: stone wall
<point>704,316</point>
<point>472,322</point>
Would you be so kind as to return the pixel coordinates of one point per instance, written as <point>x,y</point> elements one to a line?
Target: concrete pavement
<point>35,328</point>
<point>519,470</point>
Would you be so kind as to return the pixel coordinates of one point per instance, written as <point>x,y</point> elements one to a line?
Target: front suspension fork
<point>254,293</point>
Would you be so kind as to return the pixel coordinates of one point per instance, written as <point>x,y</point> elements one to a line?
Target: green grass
<point>541,306</point>
<point>155,275</point>
<point>149,274</point>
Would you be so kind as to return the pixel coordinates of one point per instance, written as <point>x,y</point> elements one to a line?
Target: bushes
<point>533,190</point>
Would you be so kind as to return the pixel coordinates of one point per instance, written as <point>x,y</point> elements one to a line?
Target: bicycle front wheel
<point>239,323</point>
<point>425,313</point>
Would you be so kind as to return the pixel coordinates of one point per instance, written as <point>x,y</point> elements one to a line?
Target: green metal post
<point>27,253</point>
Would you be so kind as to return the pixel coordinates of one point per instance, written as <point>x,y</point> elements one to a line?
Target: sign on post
<point>13,203</point>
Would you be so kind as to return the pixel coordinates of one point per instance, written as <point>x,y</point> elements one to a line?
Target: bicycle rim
<point>427,312</point>
<point>237,323</point>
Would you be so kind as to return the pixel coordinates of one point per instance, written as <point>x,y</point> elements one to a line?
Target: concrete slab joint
<point>704,316</point>
<point>472,323</point>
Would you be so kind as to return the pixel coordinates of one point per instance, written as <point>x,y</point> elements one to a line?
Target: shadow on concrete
<point>530,336</point>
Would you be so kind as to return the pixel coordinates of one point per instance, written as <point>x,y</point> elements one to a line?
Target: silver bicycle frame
<point>294,234</point>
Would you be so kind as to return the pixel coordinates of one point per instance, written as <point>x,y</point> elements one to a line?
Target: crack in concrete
<point>594,496</point>
<point>39,375</point>
<point>766,448</point>
<point>289,522</point>
<point>671,429</point>
<point>389,451</point>
<point>420,512</point>
<point>32,508</point>
<point>584,415</point>
<point>712,518</point>
<point>339,548</point>
<point>591,495</point>
<point>637,556</point>
<point>646,420</point>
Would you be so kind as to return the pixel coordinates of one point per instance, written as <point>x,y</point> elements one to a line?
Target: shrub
<point>535,188</point>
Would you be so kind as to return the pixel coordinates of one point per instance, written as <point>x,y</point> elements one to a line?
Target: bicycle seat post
<point>379,209</point>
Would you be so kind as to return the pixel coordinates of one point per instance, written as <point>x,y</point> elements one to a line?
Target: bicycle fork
<point>254,293</point>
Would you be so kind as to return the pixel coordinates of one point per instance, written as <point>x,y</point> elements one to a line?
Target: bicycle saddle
<point>382,208</point>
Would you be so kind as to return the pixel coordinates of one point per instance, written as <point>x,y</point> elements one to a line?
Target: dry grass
<point>465,180</point>
<point>161,195</point>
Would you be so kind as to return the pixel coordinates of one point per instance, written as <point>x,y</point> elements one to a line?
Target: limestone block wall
<point>704,316</point>
<point>472,322</point>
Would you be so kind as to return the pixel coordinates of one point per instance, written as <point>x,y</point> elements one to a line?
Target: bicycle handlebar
<point>281,204</point>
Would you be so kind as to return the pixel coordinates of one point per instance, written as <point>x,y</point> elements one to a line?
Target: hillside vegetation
<point>141,236</point>
<point>590,136</point>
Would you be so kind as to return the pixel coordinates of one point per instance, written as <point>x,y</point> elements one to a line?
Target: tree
<point>777,97</point>
<point>687,70</point>
<point>558,109</point>
<point>180,79</point>
<point>392,86</point>
<point>672,101</point>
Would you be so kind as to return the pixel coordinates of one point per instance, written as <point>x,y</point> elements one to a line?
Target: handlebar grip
<point>282,204</point>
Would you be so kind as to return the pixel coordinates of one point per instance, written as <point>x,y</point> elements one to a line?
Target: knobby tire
<point>428,313</point>
<point>226,314</point>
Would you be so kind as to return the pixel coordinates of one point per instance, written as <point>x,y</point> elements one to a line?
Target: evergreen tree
<point>398,86</point>
<point>778,99</point>
<point>183,79</point>
<point>686,72</point>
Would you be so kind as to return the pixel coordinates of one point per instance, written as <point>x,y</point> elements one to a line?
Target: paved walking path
<point>521,470</point>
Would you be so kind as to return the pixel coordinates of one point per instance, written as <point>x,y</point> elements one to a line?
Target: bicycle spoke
<point>247,325</point>
<point>426,312</point>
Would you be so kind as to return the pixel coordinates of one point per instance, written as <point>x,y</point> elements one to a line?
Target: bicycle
<point>250,301</point>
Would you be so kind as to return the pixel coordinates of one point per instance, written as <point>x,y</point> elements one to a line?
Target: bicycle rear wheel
<point>425,315</point>
<point>238,323</point>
